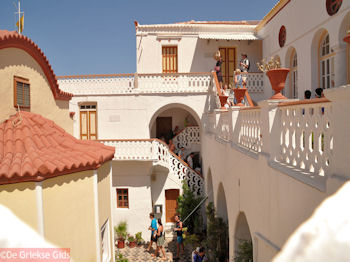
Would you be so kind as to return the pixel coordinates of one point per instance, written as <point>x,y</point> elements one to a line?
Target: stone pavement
<point>138,254</point>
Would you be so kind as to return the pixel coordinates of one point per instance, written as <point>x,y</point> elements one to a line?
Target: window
<point>294,74</point>
<point>21,92</point>
<point>105,244</point>
<point>169,59</point>
<point>88,121</point>
<point>122,198</point>
<point>326,65</point>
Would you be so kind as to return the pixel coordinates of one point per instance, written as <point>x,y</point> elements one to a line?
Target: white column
<point>40,209</point>
<point>96,212</point>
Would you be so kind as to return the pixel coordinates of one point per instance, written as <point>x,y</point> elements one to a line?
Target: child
<point>231,97</point>
<point>238,79</point>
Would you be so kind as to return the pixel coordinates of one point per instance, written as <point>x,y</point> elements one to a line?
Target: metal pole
<point>200,203</point>
<point>19,17</point>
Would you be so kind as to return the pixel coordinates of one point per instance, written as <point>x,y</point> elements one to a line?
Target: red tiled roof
<point>13,39</point>
<point>36,148</point>
<point>244,22</point>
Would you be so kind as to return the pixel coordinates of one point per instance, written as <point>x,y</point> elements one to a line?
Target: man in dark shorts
<point>179,238</point>
<point>153,229</point>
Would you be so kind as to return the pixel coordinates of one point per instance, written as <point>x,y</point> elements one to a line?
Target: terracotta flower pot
<point>278,79</point>
<point>121,243</point>
<point>347,38</point>
<point>132,244</point>
<point>223,100</point>
<point>239,95</point>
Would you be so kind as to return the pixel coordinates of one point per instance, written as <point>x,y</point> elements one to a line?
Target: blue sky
<point>98,36</point>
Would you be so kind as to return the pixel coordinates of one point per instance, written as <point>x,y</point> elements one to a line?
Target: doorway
<point>228,55</point>
<point>164,127</point>
<point>171,196</point>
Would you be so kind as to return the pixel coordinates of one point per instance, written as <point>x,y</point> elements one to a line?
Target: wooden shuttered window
<point>169,59</point>
<point>88,122</point>
<point>122,198</point>
<point>21,92</point>
<point>228,66</point>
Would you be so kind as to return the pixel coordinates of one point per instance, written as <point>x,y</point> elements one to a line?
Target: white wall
<point>131,117</point>
<point>194,54</point>
<point>146,185</point>
<point>303,34</point>
<point>136,176</point>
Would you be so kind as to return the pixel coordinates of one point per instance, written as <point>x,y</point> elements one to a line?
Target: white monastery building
<point>266,165</point>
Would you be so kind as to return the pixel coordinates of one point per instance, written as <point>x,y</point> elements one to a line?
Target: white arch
<point>173,105</point>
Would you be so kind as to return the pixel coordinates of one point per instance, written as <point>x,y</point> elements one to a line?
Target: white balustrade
<point>190,135</point>
<point>250,129</point>
<point>158,152</point>
<point>306,137</point>
<point>99,84</point>
<point>255,82</point>
<point>136,83</point>
<point>173,83</point>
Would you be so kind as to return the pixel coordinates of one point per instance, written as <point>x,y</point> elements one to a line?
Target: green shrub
<point>245,251</point>
<point>121,230</point>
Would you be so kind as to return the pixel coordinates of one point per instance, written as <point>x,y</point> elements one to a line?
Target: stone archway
<point>178,113</point>
<point>209,187</point>
<point>221,205</point>
<point>242,232</point>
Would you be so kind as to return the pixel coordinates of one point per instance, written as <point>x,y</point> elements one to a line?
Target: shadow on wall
<point>221,203</point>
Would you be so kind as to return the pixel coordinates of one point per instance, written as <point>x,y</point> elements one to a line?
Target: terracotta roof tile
<point>37,149</point>
<point>13,39</point>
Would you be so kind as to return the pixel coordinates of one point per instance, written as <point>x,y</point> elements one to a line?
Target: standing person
<point>218,67</point>
<point>244,65</point>
<point>189,160</point>
<point>153,229</point>
<point>181,153</point>
<point>171,145</point>
<point>238,80</point>
<point>179,238</point>
<point>199,257</point>
<point>307,94</point>
<point>160,240</point>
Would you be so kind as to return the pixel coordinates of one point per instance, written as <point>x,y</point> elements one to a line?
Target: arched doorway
<point>209,187</point>
<point>221,206</point>
<point>166,118</point>
<point>243,245</point>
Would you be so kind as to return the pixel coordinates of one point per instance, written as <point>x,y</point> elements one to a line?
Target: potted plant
<point>239,95</point>
<point>120,230</point>
<point>139,239</point>
<point>347,37</point>
<point>132,241</point>
<point>276,75</point>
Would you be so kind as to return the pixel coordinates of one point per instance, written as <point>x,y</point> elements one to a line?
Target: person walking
<point>153,229</point>
<point>244,65</point>
<point>160,240</point>
<point>179,238</point>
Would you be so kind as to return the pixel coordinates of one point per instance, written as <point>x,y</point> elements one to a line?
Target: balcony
<point>136,84</point>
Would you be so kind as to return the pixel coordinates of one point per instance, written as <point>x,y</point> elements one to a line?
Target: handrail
<point>305,102</point>
<point>130,74</point>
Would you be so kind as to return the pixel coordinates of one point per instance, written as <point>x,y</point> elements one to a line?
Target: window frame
<point>168,57</point>
<point>294,74</point>
<point>18,79</point>
<point>122,194</point>
<point>328,59</point>
<point>105,229</point>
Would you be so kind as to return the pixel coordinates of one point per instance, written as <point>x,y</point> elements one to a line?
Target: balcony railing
<point>136,83</point>
<point>158,152</point>
<point>297,136</point>
<point>115,84</point>
<point>188,136</point>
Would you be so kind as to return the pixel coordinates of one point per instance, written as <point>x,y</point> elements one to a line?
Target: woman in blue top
<point>179,238</point>
<point>238,82</point>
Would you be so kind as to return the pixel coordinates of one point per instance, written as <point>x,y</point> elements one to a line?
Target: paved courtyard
<point>138,254</point>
